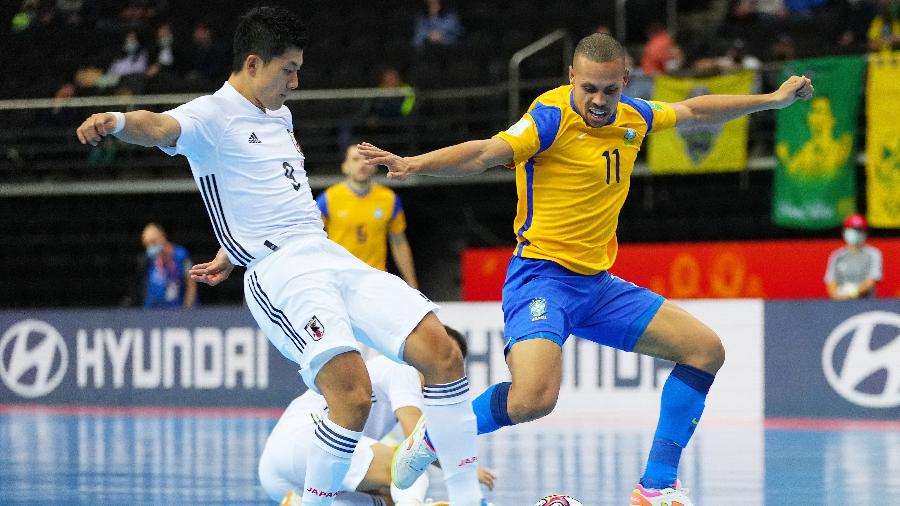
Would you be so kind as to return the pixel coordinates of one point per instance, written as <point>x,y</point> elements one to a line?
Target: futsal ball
<point>558,500</point>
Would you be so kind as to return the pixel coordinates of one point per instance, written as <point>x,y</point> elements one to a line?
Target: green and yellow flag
<point>815,183</point>
<point>705,148</point>
<point>883,141</point>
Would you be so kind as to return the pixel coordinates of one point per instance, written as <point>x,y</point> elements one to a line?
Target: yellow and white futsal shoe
<point>291,499</point>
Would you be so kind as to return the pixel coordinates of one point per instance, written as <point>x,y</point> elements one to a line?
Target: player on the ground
<point>310,296</point>
<point>396,398</point>
<point>574,151</point>
<point>365,217</point>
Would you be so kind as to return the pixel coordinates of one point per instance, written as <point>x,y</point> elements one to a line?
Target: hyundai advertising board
<point>206,357</point>
<point>833,359</point>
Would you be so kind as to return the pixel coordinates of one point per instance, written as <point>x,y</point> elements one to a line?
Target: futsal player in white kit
<point>312,298</point>
<point>396,399</point>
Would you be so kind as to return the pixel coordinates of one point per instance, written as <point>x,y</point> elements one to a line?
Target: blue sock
<point>683,398</point>
<point>490,408</point>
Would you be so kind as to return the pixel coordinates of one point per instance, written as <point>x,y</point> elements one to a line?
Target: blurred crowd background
<point>72,216</point>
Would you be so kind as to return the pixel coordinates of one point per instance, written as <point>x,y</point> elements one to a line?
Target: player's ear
<point>252,63</point>
<point>572,75</point>
<point>627,76</point>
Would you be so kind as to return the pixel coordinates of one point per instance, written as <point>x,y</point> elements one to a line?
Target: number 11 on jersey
<point>606,154</point>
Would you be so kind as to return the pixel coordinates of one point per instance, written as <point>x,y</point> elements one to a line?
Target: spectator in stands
<point>168,282</point>
<point>858,15</point>
<point>661,53</point>
<point>28,13</point>
<point>783,48</point>
<point>855,269</point>
<point>436,27</point>
<point>163,74</point>
<point>391,107</point>
<point>208,60</point>
<point>884,31</point>
<point>803,8</point>
<point>131,65</point>
<point>733,59</point>
<point>365,217</point>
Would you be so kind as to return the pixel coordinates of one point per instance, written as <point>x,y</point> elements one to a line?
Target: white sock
<point>414,495</point>
<point>452,430</point>
<point>328,462</point>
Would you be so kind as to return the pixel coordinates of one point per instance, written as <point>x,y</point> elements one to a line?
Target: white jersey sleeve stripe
<point>275,315</point>
<point>218,222</point>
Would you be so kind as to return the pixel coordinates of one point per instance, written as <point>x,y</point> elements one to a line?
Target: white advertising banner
<point>601,384</point>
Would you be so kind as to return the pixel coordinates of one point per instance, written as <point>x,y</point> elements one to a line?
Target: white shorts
<point>315,300</point>
<point>282,466</point>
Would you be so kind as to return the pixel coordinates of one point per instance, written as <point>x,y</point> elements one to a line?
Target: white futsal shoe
<point>412,457</point>
<point>670,496</point>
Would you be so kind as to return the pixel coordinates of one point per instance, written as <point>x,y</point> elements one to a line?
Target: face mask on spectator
<point>131,46</point>
<point>854,237</point>
<point>154,250</point>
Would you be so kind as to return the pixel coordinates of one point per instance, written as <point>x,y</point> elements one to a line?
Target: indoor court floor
<point>159,456</point>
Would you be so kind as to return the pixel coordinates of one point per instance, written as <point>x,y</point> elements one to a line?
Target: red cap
<point>856,221</point>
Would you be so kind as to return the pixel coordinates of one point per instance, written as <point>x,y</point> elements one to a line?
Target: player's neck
<point>359,188</point>
<point>242,86</point>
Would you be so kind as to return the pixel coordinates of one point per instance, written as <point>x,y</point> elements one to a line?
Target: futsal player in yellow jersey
<point>364,217</point>
<point>573,152</point>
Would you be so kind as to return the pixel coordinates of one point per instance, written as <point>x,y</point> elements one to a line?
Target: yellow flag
<point>703,148</point>
<point>883,140</point>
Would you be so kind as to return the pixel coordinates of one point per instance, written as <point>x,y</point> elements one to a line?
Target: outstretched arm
<point>722,108</point>
<point>143,128</point>
<point>472,157</point>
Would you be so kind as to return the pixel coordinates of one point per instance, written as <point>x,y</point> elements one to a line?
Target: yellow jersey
<point>361,222</point>
<point>572,179</point>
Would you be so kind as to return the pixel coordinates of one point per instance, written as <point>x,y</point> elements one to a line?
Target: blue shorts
<point>542,299</point>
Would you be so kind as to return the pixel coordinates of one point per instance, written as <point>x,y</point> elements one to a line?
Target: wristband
<point>120,122</point>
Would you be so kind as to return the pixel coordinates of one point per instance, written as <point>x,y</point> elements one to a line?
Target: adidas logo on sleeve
<point>254,139</point>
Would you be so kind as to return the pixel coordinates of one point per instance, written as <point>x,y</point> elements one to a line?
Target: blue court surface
<point>210,458</point>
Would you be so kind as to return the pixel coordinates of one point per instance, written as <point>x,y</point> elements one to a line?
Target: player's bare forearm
<point>143,128</point>
<point>146,128</point>
<point>403,257</point>
<point>722,108</point>
<point>472,157</point>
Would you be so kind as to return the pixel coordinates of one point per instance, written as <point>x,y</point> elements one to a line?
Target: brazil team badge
<point>538,309</point>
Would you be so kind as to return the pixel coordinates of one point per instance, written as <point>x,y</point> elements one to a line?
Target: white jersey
<point>250,171</point>
<point>393,387</point>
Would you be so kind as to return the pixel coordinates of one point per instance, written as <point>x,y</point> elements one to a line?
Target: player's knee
<point>358,402</point>
<point>444,361</point>
<point>712,355</point>
<point>533,402</point>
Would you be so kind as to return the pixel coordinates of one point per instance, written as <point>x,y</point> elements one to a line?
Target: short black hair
<point>459,338</point>
<point>600,47</point>
<point>267,32</point>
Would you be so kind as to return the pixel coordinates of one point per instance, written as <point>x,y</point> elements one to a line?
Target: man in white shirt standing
<point>311,297</point>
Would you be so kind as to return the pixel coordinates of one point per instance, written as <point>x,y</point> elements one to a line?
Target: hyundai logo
<point>866,376</point>
<point>33,358</point>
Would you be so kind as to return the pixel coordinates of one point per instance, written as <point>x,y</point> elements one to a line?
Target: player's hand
<point>95,128</point>
<point>214,272</point>
<point>486,477</point>
<point>397,166</point>
<point>793,89</point>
